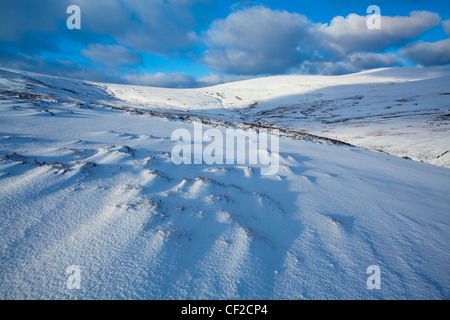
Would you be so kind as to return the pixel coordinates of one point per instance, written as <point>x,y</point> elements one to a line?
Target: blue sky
<point>190,43</point>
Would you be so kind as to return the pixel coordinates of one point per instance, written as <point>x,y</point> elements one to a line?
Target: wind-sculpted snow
<point>87,180</point>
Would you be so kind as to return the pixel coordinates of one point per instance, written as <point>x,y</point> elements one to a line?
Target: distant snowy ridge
<point>401,111</point>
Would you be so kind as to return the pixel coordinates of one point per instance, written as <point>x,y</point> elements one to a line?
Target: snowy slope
<point>401,111</point>
<point>84,184</point>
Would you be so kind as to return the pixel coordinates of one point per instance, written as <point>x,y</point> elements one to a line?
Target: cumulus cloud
<point>354,62</point>
<point>32,31</point>
<point>157,26</point>
<point>112,55</point>
<point>162,27</point>
<point>446,26</point>
<point>370,60</point>
<point>429,53</point>
<point>256,40</point>
<point>57,67</point>
<point>259,40</point>
<point>18,18</point>
<point>350,34</point>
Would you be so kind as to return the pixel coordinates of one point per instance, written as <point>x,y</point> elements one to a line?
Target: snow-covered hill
<point>401,111</point>
<point>87,180</point>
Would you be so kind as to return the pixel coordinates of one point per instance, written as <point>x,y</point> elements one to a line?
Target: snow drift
<point>87,180</point>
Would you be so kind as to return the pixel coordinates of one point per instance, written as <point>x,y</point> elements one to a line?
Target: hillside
<point>400,111</point>
<point>87,179</point>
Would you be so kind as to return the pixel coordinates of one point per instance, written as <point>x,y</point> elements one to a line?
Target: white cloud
<point>162,27</point>
<point>446,26</point>
<point>112,55</point>
<point>19,18</point>
<point>429,53</point>
<point>354,62</point>
<point>350,34</point>
<point>370,60</point>
<point>258,40</point>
